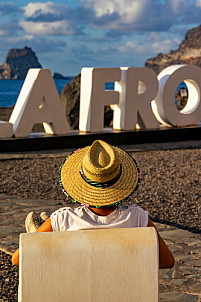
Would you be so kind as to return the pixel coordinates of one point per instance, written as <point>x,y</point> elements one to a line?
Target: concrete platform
<point>41,141</point>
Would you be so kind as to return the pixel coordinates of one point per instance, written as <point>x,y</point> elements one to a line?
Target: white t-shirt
<point>72,219</point>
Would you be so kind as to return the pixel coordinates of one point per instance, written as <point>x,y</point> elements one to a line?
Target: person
<point>100,178</point>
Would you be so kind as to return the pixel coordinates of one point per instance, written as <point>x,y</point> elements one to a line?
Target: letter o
<point>164,106</point>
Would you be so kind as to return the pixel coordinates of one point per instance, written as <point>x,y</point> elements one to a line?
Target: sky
<point>69,35</point>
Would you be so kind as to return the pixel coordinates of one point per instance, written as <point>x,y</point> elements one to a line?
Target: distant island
<point>58,76</point>
<point>18,62</point>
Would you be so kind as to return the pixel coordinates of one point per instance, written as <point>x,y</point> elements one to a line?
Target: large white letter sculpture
<point>137,88</point>
<point>6,129</point>
<point>94,97</point>
<point>164,106</point>
<point>38,102</point>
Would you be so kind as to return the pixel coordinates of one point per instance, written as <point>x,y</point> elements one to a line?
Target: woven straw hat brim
<point>82,192</point>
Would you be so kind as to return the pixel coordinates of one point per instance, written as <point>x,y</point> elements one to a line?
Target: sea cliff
<point>188,52</point>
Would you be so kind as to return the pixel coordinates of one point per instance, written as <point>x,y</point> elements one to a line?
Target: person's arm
<point>166,259</point>
<point>45,227</point>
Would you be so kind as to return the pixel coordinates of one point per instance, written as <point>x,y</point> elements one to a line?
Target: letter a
<point>38,102</point>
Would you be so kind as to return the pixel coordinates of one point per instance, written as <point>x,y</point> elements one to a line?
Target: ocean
<point>10,89</point>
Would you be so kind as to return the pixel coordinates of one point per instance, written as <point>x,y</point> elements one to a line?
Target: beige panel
<point>6,129</point>
<point>38,102</point>
<point>94,97</point>
<point>91,265</point>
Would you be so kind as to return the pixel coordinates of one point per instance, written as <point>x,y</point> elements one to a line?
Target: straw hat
<point>99,175</point>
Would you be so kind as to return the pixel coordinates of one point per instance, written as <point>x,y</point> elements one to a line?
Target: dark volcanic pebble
<point>9,276</point>
<point>170,187</point>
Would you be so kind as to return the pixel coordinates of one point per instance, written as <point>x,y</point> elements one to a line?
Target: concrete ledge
<point>99,265</point>
<point>38,141</point>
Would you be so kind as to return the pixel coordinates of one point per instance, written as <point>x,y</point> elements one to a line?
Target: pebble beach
<point>170,191</point>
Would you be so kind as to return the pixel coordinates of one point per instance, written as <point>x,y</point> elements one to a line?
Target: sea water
<point>10,90</point>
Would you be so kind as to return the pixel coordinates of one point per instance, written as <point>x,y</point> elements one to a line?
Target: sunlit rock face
<point>188,52</point>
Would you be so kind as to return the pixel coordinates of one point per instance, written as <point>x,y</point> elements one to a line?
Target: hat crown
<point>101,162</point>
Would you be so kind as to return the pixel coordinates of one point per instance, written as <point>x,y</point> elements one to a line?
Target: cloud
<point>149,47</point>
<point>133,47</point>
<point>129,10</point>
<point>9,29</point>
<point>198,3</point>
<point>37,9</point>
<point>44,46</point>
<point>7,8</point>
<point>164,45</point>
<point>47,28</point>
<point>114,16</point>
<point>98,32</point>
<point>47,19</point>
<point>9,14</point>
<point>178,6</point>
<point>191,14</point>
<point>38,44</point>
<point>130,16</point>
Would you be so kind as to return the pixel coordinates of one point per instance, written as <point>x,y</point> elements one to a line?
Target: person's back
<point>122,216</point>
<point>100,177</point>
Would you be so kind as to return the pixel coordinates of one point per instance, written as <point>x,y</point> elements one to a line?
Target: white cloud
<point>134,47</point>
<point>156,47</point>
<point>198,3</point>
<point>47,28</point>
<point>164,46</point>
<point>38,44</point>
<point>104,7</point>
<point>153,37</point>
<point>128,10</point>
<point>47,19</point>
<point>2,33</point>
<point>38,8</point>
<point>7,8</point>
<point>127,16</point>
<point>9,29</point>
<point>178,5</point>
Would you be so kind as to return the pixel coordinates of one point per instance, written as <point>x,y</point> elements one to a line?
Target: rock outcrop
<point>58,76</point>
<point>70,98</point>
<point>17,63</point>
<point>188,52</point>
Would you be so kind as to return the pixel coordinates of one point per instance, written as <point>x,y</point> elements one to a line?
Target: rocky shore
<point>170,187</point>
